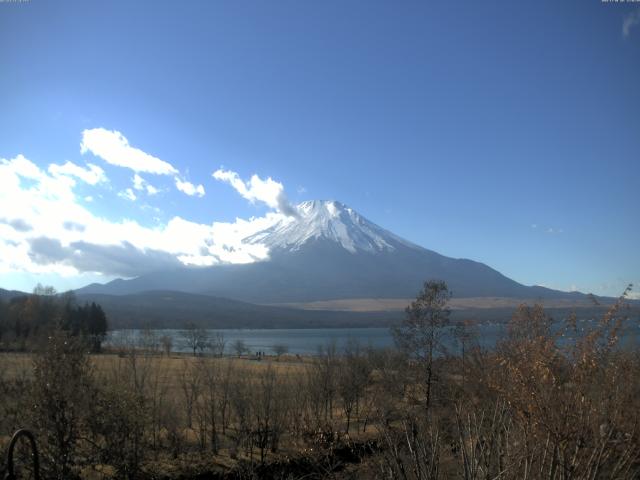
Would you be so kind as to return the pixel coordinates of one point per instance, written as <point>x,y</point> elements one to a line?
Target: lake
<point>307,341</point>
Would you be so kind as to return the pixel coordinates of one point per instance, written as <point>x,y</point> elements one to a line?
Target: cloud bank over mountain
<point>50,224</point>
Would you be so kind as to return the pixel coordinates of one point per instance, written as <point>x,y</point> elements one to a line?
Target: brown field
<point>20,365</point>
<point>399,304</point>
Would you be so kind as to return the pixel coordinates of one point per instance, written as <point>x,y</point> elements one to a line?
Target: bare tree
<point>218,344</point>
<point>280,349</point>
<point>420,333</point>
<point>240,399</point>
<point>412,450</point>
<point>224,389</point>
<point>208,413</point>
<point>195,338</point>
<point>167,343</point>
<point>190,385</point>
<point>322,380</point>
<point>44,290</point>
<point>148,340</point>
<point>464,335</point>
<point>353,378</point>
<point>239,347</point>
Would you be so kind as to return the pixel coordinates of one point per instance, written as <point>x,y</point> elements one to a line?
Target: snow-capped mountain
<point>328,220</point>
<point>328,251</point>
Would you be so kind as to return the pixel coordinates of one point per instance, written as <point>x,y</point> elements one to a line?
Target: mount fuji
<point>330,252</point>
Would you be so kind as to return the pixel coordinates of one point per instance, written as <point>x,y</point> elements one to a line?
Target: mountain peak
<point>329,251</point>
<point>327,220</point>
<point>321,204</point>
<point>322,208</point>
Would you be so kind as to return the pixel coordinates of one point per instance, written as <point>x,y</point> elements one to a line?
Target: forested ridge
<point>25,320</point>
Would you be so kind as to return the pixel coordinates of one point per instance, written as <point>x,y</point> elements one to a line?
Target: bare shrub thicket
<point>354,372</point>
<point>573,405</point>
<point>554,400</point>
<point>61,395</point>
<point>209,384</point>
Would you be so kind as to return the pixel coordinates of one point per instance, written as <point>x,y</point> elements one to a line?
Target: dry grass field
<point>169,369</point>
<point>399,304</point>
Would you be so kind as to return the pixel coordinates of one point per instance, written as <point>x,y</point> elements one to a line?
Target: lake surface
<point>297,341</point>
<point>308,341</point>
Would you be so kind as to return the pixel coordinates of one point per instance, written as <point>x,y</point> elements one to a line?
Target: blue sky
<point>505,132</point>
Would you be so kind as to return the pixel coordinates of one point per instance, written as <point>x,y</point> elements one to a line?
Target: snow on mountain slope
<point>328,220</point>
<point>329,252</point>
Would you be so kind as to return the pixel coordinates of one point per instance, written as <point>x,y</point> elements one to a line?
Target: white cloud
<point>267,191</point>
<point>22,177</point>
<point>630,21</point>
<point>50,231</point>
<point>127,194</point>
<point>91,175</point>
<point>114,148</point>
<point>141,184</point>
<point>138,182</point>
<point>189,188</point>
